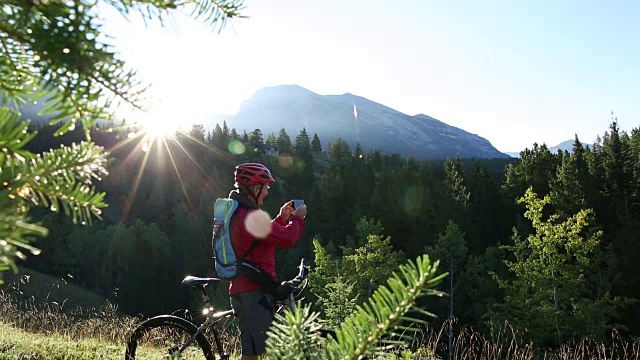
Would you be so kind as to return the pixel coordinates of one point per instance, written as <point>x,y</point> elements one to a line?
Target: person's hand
<point>286,211</point>
<point>285,289</point>
<point>301,211</point>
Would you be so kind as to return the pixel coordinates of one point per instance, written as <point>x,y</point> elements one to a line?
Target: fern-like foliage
<point>214,13</point>
<point>54,51</point>
<point>60,179</point>
<point>382,322</point>
<point>300,330</point>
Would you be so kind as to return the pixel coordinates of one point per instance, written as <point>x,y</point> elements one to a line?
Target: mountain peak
<point>425,117</point>
<point>280,95</point>
<point>371,124</point>
<point>567,145</point>
<point>283,90</point>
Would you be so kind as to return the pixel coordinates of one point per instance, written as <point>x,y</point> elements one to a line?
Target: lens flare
<point>236,147</point>
<point>258,224</point>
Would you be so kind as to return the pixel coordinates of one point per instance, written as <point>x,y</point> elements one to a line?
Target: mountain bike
<point>181,337</point>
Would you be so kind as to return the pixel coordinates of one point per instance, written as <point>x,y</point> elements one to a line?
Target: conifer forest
<point>547,242</point>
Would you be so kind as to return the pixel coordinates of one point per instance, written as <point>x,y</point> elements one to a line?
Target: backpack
<point>224,254</point>
<point>228,264</point>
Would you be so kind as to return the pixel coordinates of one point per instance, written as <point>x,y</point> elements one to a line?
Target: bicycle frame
<point>291,289</point>
<point>214,317</point>
<point>206,324</point>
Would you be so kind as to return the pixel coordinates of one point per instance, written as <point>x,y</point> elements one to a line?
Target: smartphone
<point>297,203</point>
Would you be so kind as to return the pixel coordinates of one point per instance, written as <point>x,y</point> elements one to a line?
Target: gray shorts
<point>255,311</point>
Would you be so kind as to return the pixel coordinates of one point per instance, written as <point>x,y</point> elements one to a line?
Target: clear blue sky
<point>513,72</point>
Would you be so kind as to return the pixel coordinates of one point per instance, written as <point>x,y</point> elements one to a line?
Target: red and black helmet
<point>249,174</point>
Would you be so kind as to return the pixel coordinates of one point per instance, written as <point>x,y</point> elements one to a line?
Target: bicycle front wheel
<point>162,336</point>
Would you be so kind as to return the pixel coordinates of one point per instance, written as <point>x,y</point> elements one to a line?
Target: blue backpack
<point>227,263</point>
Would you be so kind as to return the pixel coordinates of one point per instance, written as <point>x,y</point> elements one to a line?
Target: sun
<point>164,120</point>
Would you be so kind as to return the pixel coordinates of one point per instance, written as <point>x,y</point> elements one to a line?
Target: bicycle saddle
<point>198,281</point>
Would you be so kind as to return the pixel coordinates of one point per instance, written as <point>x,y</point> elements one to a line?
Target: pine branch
<point>58,179</point>
<point>15,233</point>
<point>215,13</point>
<point>13,136</point>
<point>61,179</point>
<point>371,329</point>
<point>386,309</point>
<point>295,335</point>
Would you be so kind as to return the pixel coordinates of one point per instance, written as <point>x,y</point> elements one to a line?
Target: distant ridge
<point>566,145</point>
<point>376,126</point>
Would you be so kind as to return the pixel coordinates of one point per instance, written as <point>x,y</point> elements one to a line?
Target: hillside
<point>357,120</point>
<point>42,288</point>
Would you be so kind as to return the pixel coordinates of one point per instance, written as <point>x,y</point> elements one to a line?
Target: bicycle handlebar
<point>288,288</point>
<point>303,271</point>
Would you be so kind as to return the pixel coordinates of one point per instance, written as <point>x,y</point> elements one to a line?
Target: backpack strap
<point>254,245</point>
<point>260,277</point>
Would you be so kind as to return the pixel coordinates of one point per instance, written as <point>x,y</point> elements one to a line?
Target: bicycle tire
<point>168,323</point>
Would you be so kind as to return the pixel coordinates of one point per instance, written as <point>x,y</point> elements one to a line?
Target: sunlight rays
<point>174,153</point>
<point>175,167</point>
<point>166,142</point>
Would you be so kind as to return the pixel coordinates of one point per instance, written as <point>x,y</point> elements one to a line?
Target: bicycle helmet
<point>249,174</point>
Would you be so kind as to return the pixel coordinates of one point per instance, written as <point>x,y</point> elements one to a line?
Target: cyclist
<point>255,237</point>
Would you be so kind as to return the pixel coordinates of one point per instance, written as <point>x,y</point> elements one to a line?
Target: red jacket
<point>282,235</point>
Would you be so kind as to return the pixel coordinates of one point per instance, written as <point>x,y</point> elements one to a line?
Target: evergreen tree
<point>218,138</point>
<point>536,168</point>
<point>550,295</point>
<point>634,148</point>
<point>285,146</point>
<point>197,132</point>
<point>303,145</point>
<point>271,140</point>
<point>455,182</point>
<point>234,135</point>
<point>316,145</point>
<point>569,190</point>
<point>303,170</point>
<point>255,142</point>
<point>486,206</point>
<point>619,222</point>
<point>458,197</point>
<point>618,176</point>
<point>339,153</point>
<point>226,136</point>
<point>326,267</point>
<point>452,251</point>
<point>339,302</point>
<point>367,263</point>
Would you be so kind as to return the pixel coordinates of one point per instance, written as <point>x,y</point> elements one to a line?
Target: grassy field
<point>52,330</point>
<point>47,317</point>
<point>20,344</point>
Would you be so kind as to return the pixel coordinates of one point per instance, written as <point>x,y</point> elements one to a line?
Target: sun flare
<point>164,121</point>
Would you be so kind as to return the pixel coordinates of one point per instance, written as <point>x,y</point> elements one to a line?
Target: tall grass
<point>506,343</point>
<point>104,324</point>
